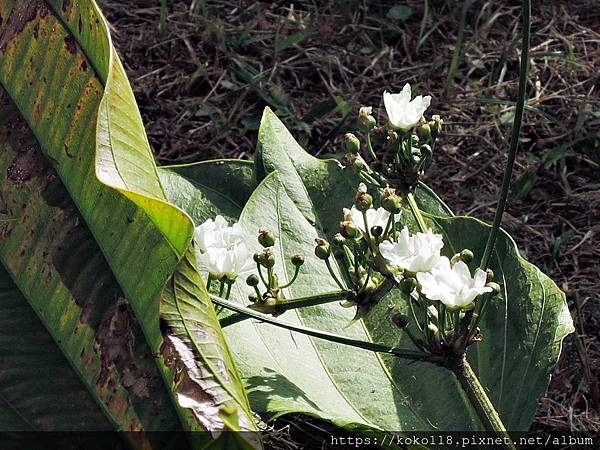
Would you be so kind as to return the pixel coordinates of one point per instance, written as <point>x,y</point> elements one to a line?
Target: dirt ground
<point>204,76</point>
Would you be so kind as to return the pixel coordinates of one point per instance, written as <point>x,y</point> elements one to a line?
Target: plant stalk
<point>514,140</point>
<point>416,212</point>
<point>332,337</point>
<point>294,303</point>
<point>480,401</point>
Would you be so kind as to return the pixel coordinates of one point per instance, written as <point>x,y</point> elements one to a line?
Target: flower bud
<point>348,229</point>
<point>424,132</point>
<point>352,143</point>
<point>400,320</point>
<point>362,200</point>
<point>356,161</point>
<point>391,202</point>
<point>407,285</point>
<point>252,280</point>
<point>495,287</point>
<point>436,126</point>
<point>466,256</point>
<point>266,238</point>
<point>253,298</point>
<point>297,260</point>
<point>266,258</point>
<point>490,275</point>
<point>269,258</point>
<point>323,249</point>
<point>376,231</point>
<point>366,118</point>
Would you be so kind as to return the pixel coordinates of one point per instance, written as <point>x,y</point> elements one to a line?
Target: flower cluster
<point>401,150</point>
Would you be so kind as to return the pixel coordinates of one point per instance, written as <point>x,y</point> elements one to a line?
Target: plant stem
<point>294,303</point>
<point>332,337</point>
<point>514,140</point>
<point>480,401</point>
<point>416,212</point>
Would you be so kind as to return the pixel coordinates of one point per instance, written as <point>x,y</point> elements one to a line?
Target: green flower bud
<point>253,298</point>
<point>400,320</point>
<point>323,249</point>
<point>424,132</point>
<point>366,118</point>
<point>297,260</point>
<point>490,275</point>
<point>269,258</point>
<point>435,124</point>
<point>348,229</point>
<point>407,285</point>
<point>266,238</point>
<point>266,258</point>
<point>466,256</point>
<point>495,287</point>
<point>390,201</point>
<point>352,143</point>
<point>356,161</point>
<point>362,200</point>
<point>252,280</point>
<point>376,231</point>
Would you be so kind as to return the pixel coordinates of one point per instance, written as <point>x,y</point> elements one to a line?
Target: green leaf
<point>58,66</point>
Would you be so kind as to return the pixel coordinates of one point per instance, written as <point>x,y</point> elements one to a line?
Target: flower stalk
<point>479,399</point>
<point>514,140</point>
<point>294,303</point>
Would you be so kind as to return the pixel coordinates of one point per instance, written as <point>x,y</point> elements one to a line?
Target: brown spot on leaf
<point>84,65</point>
<point>23,13</point>
<point>70,44</point>
<point>114,340</point>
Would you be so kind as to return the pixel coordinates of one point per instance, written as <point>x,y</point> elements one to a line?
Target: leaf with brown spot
<point>98,186</point>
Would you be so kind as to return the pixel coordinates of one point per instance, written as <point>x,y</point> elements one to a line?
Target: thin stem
<point>221,289</point>
<point>480,401</point>
<point>260,274</point>
<point>297,270</point>
<point>514,140</point>
<point>370,148</point>
<point>416,212</point>
<point>228,292</point>
<point>333,275</point>
<point>332,337</point>
<point>294,303</point>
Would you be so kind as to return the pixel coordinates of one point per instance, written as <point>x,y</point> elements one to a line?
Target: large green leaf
<point>58,66</point>
<point>46,246</point>
<point>523,330</point>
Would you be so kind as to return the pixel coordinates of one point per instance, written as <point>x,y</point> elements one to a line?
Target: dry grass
<point>203,83</point>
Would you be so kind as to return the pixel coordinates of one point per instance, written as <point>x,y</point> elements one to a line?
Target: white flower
<point>402,112</point>
<point>375,217</point>
<point>220,262</point>
<point>453,285</point>
<point>217,233</point>
<point>221,249</point>
<point>416,253</point>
